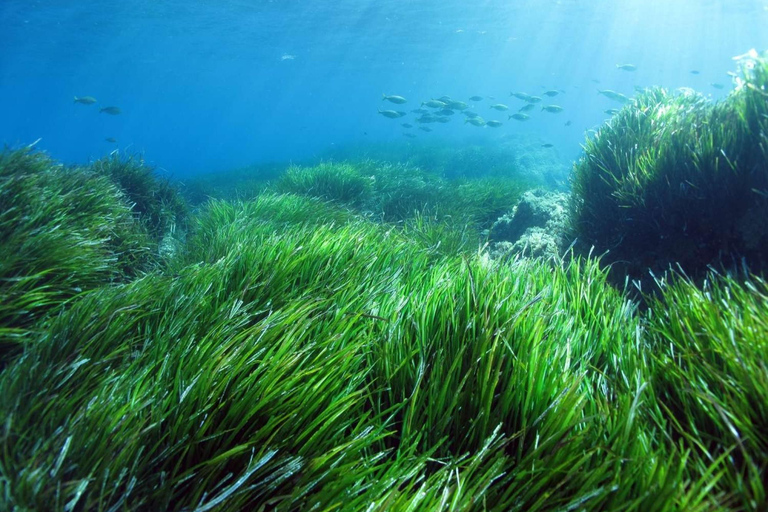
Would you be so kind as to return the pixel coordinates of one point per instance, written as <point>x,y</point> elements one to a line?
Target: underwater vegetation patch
<point>675,179</point>
<point>62,232</point>
<point>295,354</point>
<point>156,201</point>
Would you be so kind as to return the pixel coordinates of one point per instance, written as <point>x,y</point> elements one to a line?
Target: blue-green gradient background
<point>215,84</point>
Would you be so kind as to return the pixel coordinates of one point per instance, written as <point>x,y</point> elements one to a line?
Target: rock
<point>534,228</point>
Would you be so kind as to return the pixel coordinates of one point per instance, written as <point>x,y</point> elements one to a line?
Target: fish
<point>611,111</point>
<point>494,123</point>
<point>520,95</point>
<point>456,105</point>
<point>475,98</point>
<point>519,117</point>
<point>420,111</point>
<point>426,118</point>
<point>394,99</point>
<point>553,108</point>
<point>444,99</point>
<point>533,99</point>
<point>475,121</point>
<point>613,95</point>
<point>409,135</point>
<point>568,123</point>
<point>111,139</point>
<point>392,114</point>
<point>85,100</point>
<point>443,119</point>
<point>499,107</point>
<point>445,112</point>
<point>287,56</point>
<point>407,125</point>
<point>527,107</point>
<point>470,113</point>
<point>547,145</point>
<point>425,128</point>
<point>596,80</point>
<point>113,111</point>
<point>551,93</point>
<point>695,72</point>
<point>717,86</point>
<point>434,103</point>
<point>627,67</point>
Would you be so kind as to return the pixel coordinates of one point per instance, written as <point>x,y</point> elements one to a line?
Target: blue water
<point>211,85</point>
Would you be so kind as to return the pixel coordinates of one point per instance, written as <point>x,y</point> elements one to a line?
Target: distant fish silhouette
<point>287,56</point>
<point>85,100</point>
<point>113,111</point>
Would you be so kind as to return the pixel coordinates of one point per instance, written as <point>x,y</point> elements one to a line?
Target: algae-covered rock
<point>534,227</point>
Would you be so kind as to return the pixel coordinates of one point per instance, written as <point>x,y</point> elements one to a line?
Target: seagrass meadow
<point>341,339</point>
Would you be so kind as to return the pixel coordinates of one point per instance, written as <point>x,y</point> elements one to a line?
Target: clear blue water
<point>211,85</point>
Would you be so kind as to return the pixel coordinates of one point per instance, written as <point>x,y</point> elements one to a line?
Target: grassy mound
<point>300,356</point>
<point>157,203</point>
<point>62,232</point>
<point>674,179</point>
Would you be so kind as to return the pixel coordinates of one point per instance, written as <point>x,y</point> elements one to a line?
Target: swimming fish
<point>392,114</point>
<point>407,125</point>
<point>613,95</point>
<point>499,106</point>
<point>527,107</point>
<point>547,145</point>
<point>425,128</point>
<point>551,93</point>
<point>409,135</point>
<point>434,103</point>
<point>494,123</point>
<point>553,108</point>
<point>394,99</point>
<point>695,72</point>
<point>627,67</point>
<point>111,139</point>
<point>475,98</point>
<point>456,105</point>
<point>533,99</point>
<point>113,111</point>
<point>85,100</point>
<point>475,121</point>
<point>717,86</point>
<point>520,95</point>
<point>519,117</point>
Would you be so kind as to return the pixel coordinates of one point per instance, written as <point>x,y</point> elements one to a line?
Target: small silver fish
<point>494,123</point>
<point>519,117</point>
<point>85,100</point>
<point>500,107</point>
<point>113,111</point>
<point>394,99</point>
<point>553,108</point>
<point>392,114</point>
<point>627,67</point>
<point>475,98</point>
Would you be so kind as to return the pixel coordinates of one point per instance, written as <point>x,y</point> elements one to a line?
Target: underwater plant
<point>673,179</point>
<point>157,202</point>
<point>62,232</point>
<point>340,182</point>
